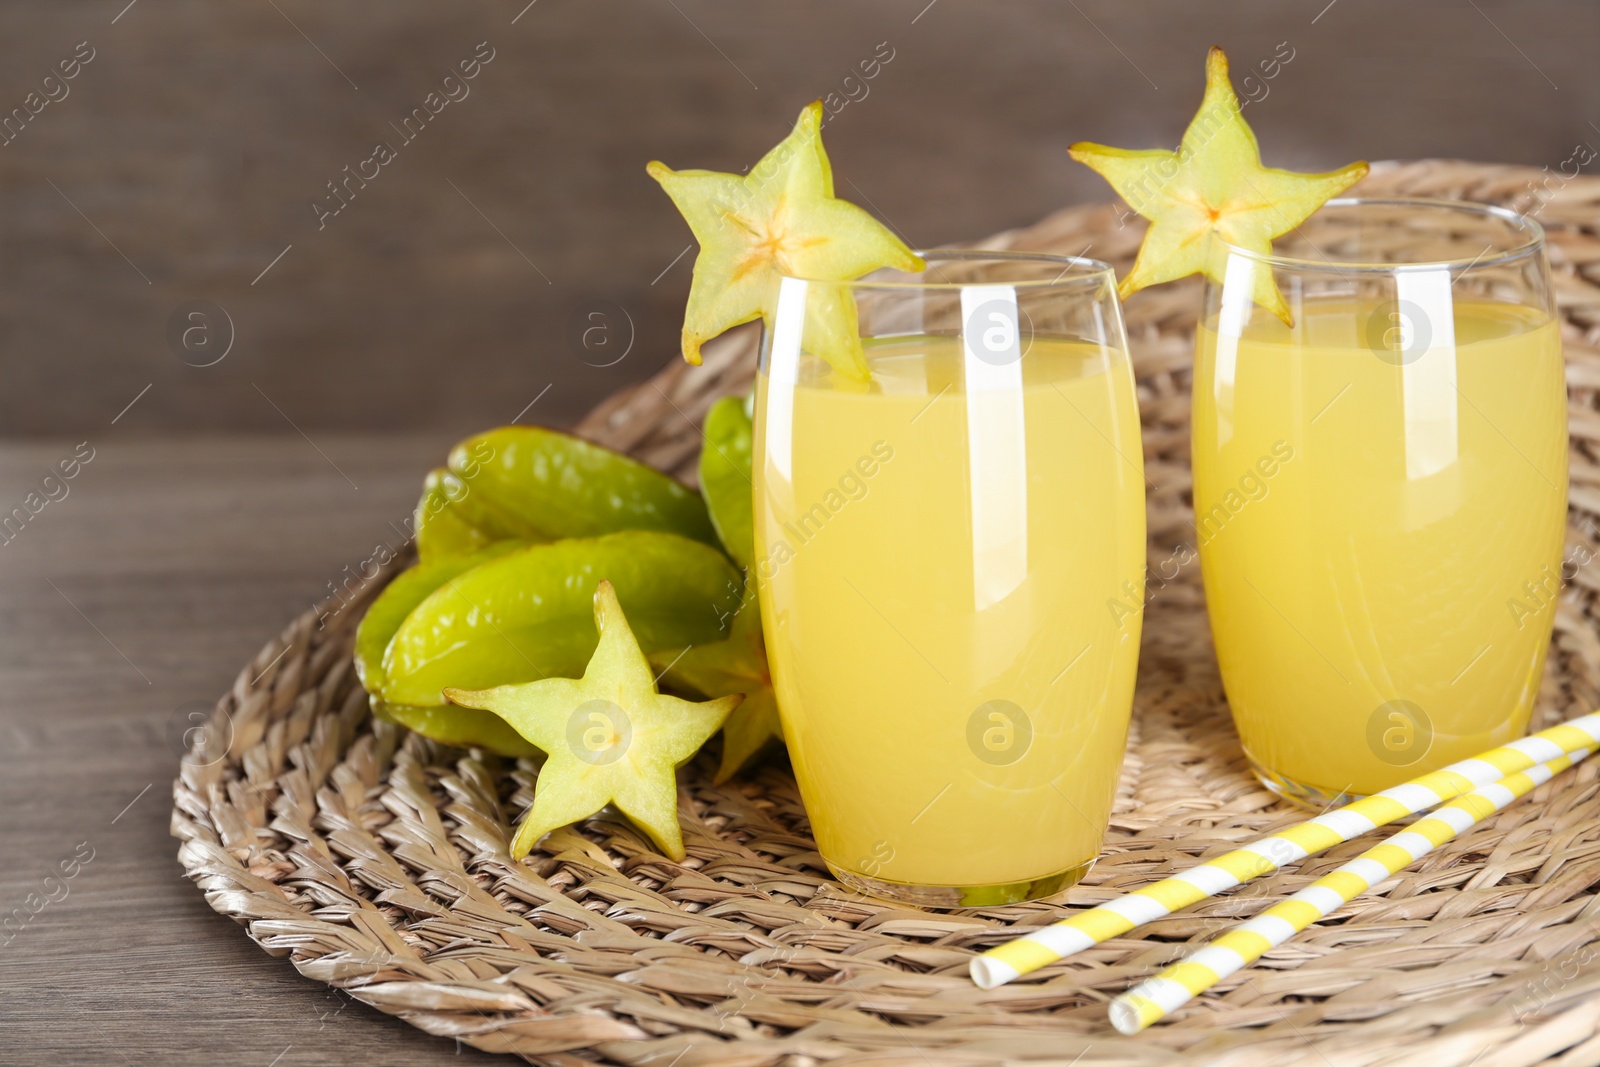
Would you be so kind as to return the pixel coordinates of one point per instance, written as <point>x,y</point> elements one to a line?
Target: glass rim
<point>1529,227</point>
<point>1084,272</point>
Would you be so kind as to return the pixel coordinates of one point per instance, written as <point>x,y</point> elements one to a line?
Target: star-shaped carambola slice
<point>737,665</point>
<point>780,218</point>
<point>1213,183</point>
<point>610,737</point>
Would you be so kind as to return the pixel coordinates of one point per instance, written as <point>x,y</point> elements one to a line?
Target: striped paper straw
<point>1005,962</point>
<point>1155,998</point>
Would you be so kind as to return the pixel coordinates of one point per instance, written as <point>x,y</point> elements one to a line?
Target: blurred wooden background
<point>182,162</point>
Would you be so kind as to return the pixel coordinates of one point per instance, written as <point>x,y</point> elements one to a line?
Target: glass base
<point>962,896</point>
<point>1315,798</point>
<point>1311,797</point>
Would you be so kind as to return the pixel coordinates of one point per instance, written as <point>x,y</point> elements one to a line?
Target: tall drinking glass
<point>940,556</point>
<point>1380,491</point>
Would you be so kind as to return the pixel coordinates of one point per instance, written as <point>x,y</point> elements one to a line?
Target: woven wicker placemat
<point>377,861</point>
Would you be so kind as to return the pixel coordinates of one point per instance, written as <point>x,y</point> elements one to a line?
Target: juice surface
<point>939,555</point>
<point>1380,537</point>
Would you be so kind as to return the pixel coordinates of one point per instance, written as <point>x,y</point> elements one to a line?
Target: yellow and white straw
<point>1155,998</point>
<point>1004,963</point>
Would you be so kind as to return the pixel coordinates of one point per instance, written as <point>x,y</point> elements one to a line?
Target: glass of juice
<point>940,553</point>
<point>1380,490</point>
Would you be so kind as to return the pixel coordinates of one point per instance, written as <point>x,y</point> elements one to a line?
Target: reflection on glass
<point>997,453</point>
<point>939,553</point>
<point>1380,497</point>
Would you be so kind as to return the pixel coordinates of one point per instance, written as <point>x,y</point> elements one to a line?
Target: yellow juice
<point>950,565</point>
<point>1380,534</point>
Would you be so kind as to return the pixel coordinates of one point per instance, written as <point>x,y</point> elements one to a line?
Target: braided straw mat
<point>377,861</point>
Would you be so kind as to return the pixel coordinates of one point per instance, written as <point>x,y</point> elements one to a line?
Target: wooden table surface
<point>164,568</point>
